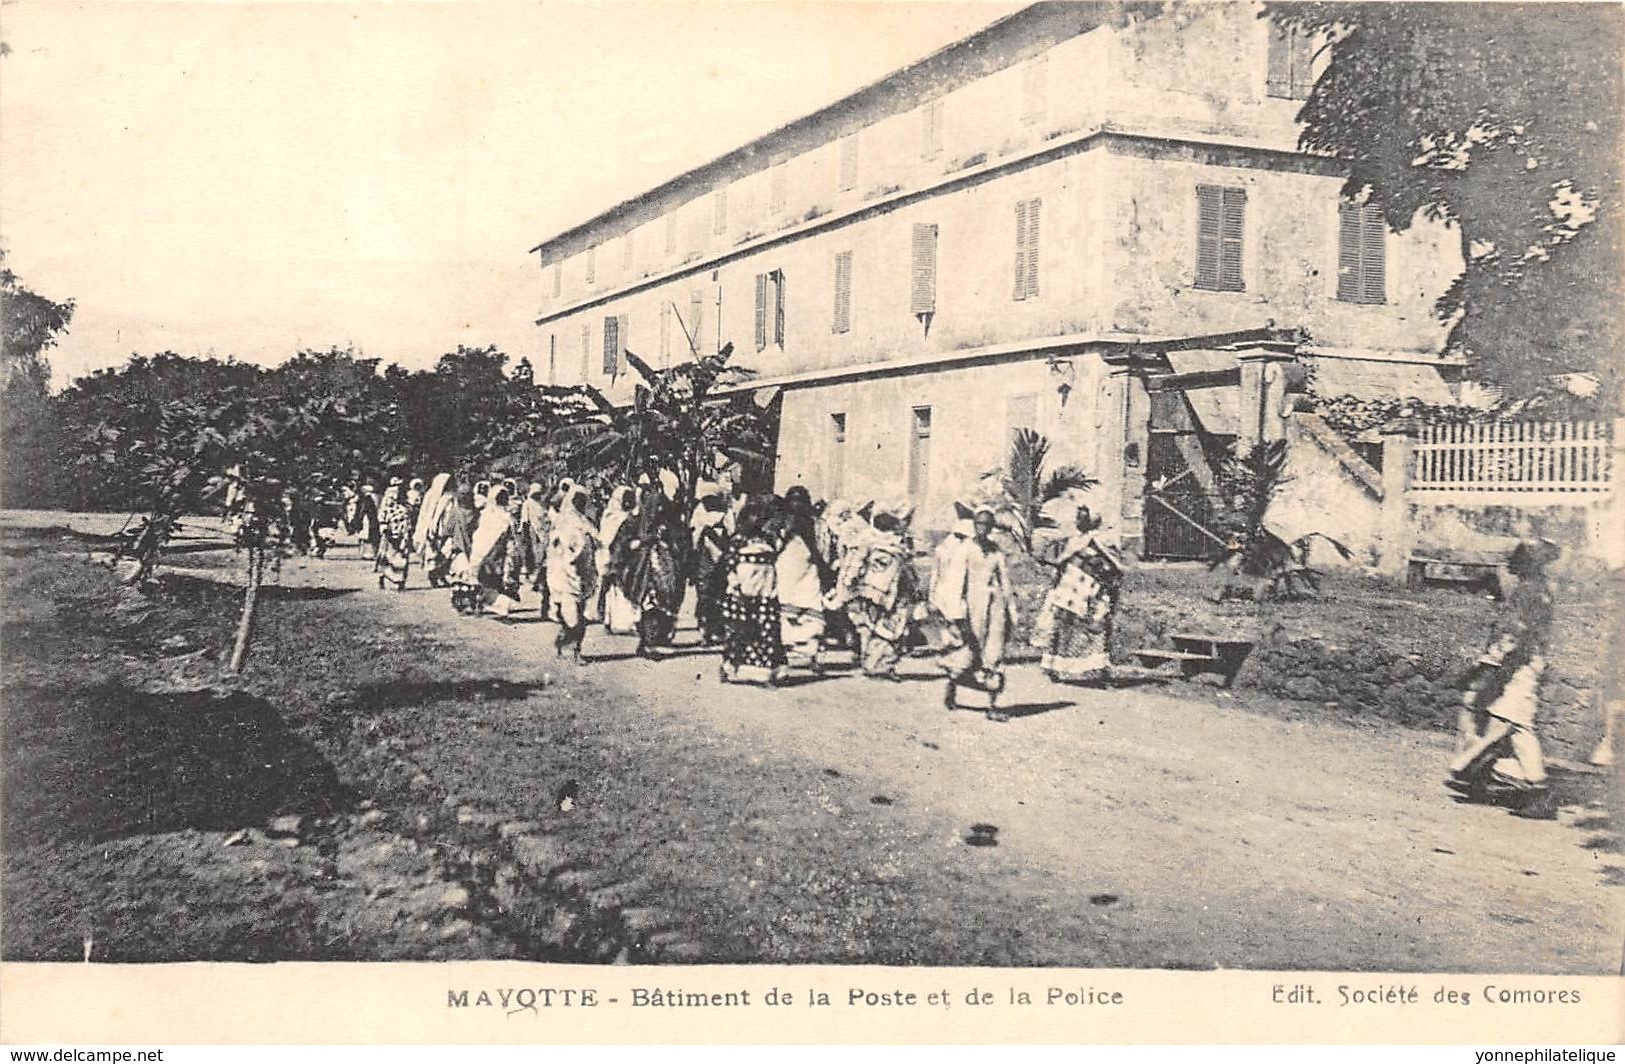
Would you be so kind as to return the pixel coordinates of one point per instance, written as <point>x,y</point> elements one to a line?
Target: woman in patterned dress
<point>877,585</point>
<point>1075,626</point>
<point>395,520</point>
<point>752,650</point>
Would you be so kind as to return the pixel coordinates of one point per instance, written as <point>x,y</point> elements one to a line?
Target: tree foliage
<point>1505,121</point>
<point>686,422</point>
<point>31,324</point>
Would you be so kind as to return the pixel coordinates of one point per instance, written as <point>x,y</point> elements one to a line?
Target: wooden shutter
<point>1021,249</point>
<point>586,349</point>
<point>719,224</point>
<point>1027,216</point>
<point>1032,247</point>
<point>778,307</point>
<point>849,161</point>
<point>923,291</point>
<point>1349,280</point>
<point>931,129</point>
<point>1361,253</point>
<point>778,186</point>
<point>761,311</point>
<point>592,265</point>
<point>1231,234</point>
<point>1209,207</point>
<point>1373,255</point>
<point>612,345</point>
<point>1278,77</point>
<point>1035,89</point>
<point>558,279</point>
<point>696,311</point>
<point>842,317</point>
<point>552,358</point>
<point>1220,232</point>
<point>1302,56</point>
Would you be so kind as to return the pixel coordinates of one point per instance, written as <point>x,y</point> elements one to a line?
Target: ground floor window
<point>919,452</point>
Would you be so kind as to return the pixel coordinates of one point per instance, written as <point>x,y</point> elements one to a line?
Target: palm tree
<point>1027,484</point>
<point>688,422</point>
<point>1249,480</point>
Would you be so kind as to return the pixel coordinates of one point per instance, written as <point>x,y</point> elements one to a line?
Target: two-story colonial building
<point>1021,230</point>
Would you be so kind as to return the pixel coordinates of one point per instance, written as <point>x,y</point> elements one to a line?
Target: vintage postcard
<point>811,522</point>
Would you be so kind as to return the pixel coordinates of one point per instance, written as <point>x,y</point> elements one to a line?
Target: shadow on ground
<point>108,762</point>
<point>185,589</point>
<point>404,695</point>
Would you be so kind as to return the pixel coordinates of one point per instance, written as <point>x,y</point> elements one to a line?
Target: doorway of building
<point>1182,497</point>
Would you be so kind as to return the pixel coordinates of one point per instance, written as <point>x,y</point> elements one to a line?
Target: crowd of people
<point>779,583</point>
<point>782,583</point>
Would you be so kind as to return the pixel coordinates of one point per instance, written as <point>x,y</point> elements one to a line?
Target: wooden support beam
<point>1190,382</point>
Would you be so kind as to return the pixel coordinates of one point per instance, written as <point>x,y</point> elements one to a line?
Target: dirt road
<point>842,819</point>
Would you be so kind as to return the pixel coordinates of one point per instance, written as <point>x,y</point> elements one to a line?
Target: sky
<point>252,179</point>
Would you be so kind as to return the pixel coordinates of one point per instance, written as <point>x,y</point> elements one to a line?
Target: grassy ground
<point>1364,647</point>
<point>138,791</point>
<point>837,821</point>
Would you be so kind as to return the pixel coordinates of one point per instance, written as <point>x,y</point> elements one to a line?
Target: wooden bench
<point>1195,654</point>
<point>1454,566</point>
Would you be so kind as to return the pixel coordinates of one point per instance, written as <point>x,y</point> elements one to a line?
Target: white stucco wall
<point>973,410</point>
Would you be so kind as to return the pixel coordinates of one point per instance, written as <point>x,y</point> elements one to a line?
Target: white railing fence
<point>1547,457</point>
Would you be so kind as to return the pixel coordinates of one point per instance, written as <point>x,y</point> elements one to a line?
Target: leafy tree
<point>32,324</point>
<point>1028,487</point>
<point>1257,562</point>
<point>1503,120</point>
<point>684,421</point>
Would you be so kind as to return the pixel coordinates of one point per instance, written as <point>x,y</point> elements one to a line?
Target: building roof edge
<point>1083,14</point>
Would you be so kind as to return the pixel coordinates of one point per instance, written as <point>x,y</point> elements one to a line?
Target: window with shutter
<point>1027,218</point>
<point>1230,239</point>
<point>778,307</point>
<point>665,335</point>
<point>1290,73</point>
<point>778,188</point>
<point>848,170</point>
<point>1021,249</point>
<point>931,130</point>
<point>719,222</point>
<point>696,311</point>
<point>552,358</point>
<point>761,311</point>
<point>837,454</point>
<point>1035,89</point>
<point>842,320</point>
<point>558,279</point>
<point>586,349</point>
<point>592,265</point>
<point>923,290</point>
<point>919,452</point>
<point>612,345</point>
<point>1220,233</point>
<point>1361,253</point>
